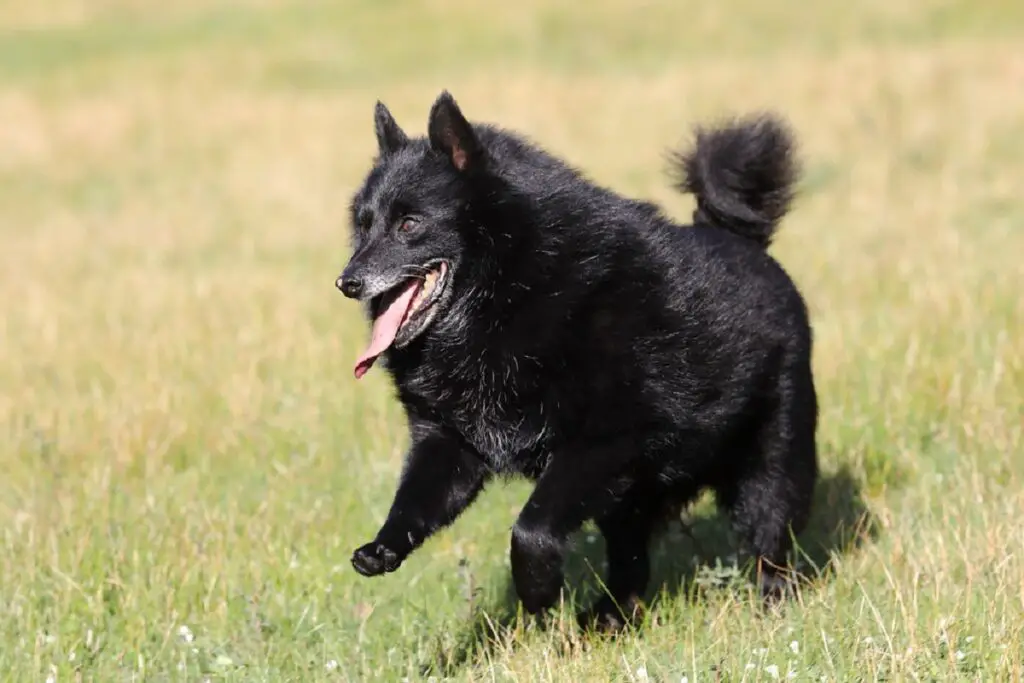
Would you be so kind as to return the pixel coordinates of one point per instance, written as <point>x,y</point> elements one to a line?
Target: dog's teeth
<point>429,282</point>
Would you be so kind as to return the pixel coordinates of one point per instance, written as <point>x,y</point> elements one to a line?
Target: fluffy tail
<point>742,175</point>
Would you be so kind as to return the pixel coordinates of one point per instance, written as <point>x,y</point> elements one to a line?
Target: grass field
<point>187,462</point>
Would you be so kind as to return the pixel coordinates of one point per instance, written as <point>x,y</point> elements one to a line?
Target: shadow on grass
<point>683,564</point>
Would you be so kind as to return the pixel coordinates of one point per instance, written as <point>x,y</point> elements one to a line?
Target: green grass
<point>187,462</point>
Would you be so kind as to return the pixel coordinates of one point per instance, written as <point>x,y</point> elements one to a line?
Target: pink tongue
<point>385,327</point>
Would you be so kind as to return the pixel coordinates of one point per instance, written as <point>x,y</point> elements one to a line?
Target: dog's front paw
<point>536,569</point>
<point>542,596</point>
<point>374,558</point>
<point>607,617</point>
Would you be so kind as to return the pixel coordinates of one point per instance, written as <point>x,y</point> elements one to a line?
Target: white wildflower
<point>331,665</point>
<point>185,633</point>
<point>641,673</point>
<point>795,647</point>
<point>960,655</point>
<point>772,670</point>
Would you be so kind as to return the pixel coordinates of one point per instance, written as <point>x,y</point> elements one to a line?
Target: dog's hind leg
<point>770,500</point>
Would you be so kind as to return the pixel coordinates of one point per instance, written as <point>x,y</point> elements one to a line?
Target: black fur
<point>621,361</point>
<point>742,177</point>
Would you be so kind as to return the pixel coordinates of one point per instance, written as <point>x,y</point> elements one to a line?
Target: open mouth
<point>403,312</point>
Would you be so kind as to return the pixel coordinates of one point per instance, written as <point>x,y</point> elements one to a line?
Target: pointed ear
<point>451,134</point>
<point>390,137</point>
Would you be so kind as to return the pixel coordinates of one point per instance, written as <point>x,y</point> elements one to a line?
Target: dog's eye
<point>407,224</point>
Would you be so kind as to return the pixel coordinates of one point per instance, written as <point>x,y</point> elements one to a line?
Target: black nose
<point>350,286</point>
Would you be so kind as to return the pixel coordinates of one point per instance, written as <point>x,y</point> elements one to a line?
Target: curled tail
<point>742,174</point>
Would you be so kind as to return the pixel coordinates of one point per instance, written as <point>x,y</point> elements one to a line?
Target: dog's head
<point>408,226</point>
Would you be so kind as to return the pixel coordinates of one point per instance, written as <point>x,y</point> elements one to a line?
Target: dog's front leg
<point>440,479</point>
<point>575,486</point>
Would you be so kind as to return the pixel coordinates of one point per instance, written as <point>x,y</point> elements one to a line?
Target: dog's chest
<point>507,432</point>
<point>506,442</point>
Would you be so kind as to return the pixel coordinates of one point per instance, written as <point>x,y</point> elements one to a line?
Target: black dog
<point>538,325</point>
